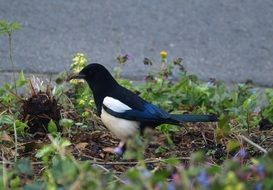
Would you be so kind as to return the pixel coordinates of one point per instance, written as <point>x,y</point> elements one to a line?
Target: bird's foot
<point>115,150</point>
<point>118,151</point>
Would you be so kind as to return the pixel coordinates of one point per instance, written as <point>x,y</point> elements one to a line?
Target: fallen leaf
<point>81,145</point>
<point>5,137</point>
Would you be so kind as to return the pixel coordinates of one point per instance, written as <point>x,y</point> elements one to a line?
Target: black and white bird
<point>123,112</point>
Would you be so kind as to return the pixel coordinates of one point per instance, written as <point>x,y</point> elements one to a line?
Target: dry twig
<point>253,143</point>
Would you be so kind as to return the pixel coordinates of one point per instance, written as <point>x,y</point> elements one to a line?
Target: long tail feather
<point>193,118</point>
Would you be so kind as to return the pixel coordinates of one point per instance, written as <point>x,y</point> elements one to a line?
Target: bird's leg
<point>119,150</point>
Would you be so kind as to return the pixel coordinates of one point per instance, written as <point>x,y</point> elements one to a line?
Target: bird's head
<point>90,72</point>
<point>96,75</point>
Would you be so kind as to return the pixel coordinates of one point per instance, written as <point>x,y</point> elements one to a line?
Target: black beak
<point>76,76</point>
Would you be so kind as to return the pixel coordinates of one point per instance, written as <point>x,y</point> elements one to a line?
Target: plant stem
<point>116,177</point>
<point>247,120</point>
<point>147,161</point>
<point>11,61</point>
<point>4,173</point>
<point>15,139</point>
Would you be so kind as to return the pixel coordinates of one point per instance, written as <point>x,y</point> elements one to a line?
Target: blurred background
<point>230,40</point>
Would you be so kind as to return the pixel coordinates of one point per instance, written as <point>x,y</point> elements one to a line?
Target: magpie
<point>123,112</point>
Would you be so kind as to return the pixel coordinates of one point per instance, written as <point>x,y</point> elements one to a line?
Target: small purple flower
<point>203,178</point>
<point>158,186</point>
<point>261,170</point>
<point>129,56</point>
<point>171,186</point>
<point>176,178</point>
<point>241,153</point>
<point>149,78</point>
<point>127,182</point>
<point>258,186</point>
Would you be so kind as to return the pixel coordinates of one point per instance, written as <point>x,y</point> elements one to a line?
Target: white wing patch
<point>115,104</point>
<point>122,128</point>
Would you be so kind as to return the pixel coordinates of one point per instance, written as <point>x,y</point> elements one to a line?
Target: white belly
<point>122,128</point>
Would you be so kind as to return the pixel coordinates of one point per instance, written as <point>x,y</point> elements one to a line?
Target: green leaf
<point>3,27</point>
<point>160,150</point>
<point>43,152</point>
<point>24,166</point>
<point>64,170</point>
<point>167,128</point>
<point>232,145</point>
<point>37,185</point>
<point>15,183</point>
<point>221,133</point>
<point>197,157</point>
<point>52,127</point>
<point>6,119</point>
<point>15,26</point>
<point>133,174</point>
<point>66,123</point>
<point>160,176</point>
<point>21,81</point>
<point>172,161</point>
<point>65,143</point>
<point>214,169</point>
<point>20,126</point>
<point>8,28</point>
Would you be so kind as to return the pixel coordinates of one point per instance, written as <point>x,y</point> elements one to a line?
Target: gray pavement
<point>230,40</point>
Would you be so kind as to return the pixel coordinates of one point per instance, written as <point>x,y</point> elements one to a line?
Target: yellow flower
<point>79,62</point>
<point>81,102</point>
<point>76,81</point>
<point>239,186</point>
<point>231,177</point>
<point>163,54</point>
<point>91,102</point>
<point>85,114</point>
